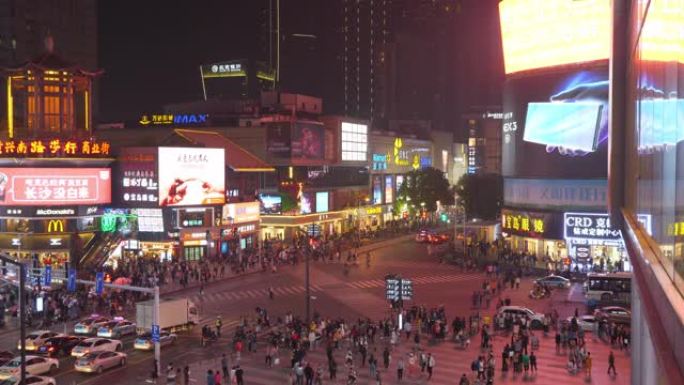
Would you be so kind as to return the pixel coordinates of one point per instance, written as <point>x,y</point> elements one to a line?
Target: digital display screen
<point>28,186</point>
<point>542,33</point>
<point>555,125</point>
<point>306,203</point>
<point>389,189</point>
<point>191,176</point>
<point>270,204</point>
<point>322,202</point>
<point>308,141</point>
<point>377,189</point>
<point>564,124</point>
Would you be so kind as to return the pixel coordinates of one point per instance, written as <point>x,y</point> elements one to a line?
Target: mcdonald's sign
<point>55,226</point>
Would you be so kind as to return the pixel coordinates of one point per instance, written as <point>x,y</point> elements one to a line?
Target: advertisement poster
<point>308,141</point>
<point>138,170</point>
<point>532,224</point>
<point>190,176</point>
<point>306,203</point>
<point>377,189</point>
<point>278,140</point>
<point>556,125</point>
<point>389,189</point>
<point>322,202</point>
<point>55,186</point>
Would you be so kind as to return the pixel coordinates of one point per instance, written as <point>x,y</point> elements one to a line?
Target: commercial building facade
<point>646,178</point>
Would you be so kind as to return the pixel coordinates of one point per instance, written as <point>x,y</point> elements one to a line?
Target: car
<point>59,345</point>
<point>536,319</point>
<point>90,325</point>
<point>437,239</point>
<point>34,365</point>
<point>585,322</point>
<point>35,340</point>
<point>116,329</point>
<point>144,341</point>
<point>95,345</point>
<point>30,380</point>
<point>422,236</point>
<point>617,314</point>
<point>554,281</point>
<point>96,362</point>
<point>5,356</point>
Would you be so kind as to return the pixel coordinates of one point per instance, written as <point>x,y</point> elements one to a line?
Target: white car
<point>96,345</point>
<point>536,319</point>
<point>90,325</point>
<point>30,380</point>
<point>554,281</point>
<point>585,322</point>
<point>116,329</point>
<point>96,362</point>
<point>34,365</point>
<point>36,339</point>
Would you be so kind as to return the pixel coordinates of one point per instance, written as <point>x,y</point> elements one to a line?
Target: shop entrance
<point>194,253</point>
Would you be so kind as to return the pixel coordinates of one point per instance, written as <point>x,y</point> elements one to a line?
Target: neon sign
<point>173,119</point>
<point>54,148</point>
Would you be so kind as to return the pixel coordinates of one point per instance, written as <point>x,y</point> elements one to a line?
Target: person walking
<point>239,375</point>
<point>309,374</point>
<point>386,357</point>
<point>224,367</point>
<point>611,363</point>
<point>271,294</point>
<point>210,377</point>
<point>464,380</point>
<point>217,377</point>
<point>430,365</point>
<point>533,363</point>
<point>587,365</point>
<point>219,324</point>
<point>400,368</point>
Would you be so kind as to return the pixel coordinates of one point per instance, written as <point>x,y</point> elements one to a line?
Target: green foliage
<point>288,203</point>
<point>481,195</point>
<point>422,189</point>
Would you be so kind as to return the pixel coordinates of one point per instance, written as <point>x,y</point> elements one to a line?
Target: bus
<point>608,287</point>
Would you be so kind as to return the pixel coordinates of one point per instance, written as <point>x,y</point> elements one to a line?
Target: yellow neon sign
<point>55,226</point>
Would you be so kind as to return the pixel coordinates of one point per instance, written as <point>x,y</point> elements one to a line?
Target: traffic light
<point>444,217</point>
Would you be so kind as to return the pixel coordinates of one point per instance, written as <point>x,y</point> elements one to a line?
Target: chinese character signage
<point>589,226</point>
<point>191,176</point>
<point>54,186</point>
<point>174,119</point>
<point>229,69</point>
<point>531,224</point>
<point>139,184</point>
<point>54,148</point>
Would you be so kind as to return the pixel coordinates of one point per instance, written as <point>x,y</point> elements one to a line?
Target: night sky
<point>151,50</point>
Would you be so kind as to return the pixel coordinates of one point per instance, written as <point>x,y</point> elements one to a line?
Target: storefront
<point>286,227</point>
<point>368,217</point>
<point>536,233</point>
<point>199,244</point>
<point>240,226</point>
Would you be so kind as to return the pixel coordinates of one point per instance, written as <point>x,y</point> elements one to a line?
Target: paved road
<point>360,294</point>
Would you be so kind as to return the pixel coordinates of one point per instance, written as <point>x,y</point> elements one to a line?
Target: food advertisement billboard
<point>556,125</point>
<point>29,186</point>
<point>308,141</point>
<point>542,33</point>
<point>191,176</point>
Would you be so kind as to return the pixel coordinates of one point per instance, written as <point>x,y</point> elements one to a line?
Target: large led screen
<point>28,186</point>
<point>270,204</point>
<point>547,33</point>
<point>322,201</point>
<point>556,125</point>
<point>190,176</point>
<point>308,141</point>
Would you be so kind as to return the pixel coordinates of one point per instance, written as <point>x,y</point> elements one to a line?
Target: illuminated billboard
<point>308,141</point>
<point>542,33</point>
<point>270,204</point>
<point>556,125</point>
<point>322,198</point>
<point>28,186</point>
<point>190,176</point>
<point>354,142</point>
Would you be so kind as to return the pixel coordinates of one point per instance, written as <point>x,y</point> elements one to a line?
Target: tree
<point>423,189</point>
<point>481,195</point>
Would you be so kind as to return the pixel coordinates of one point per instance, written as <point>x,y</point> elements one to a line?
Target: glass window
<point>354,142</point>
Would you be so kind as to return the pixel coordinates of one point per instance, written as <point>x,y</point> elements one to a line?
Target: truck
<point>174,314</point>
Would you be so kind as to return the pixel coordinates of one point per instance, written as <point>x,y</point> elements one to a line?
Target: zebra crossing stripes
<point>376,283</point>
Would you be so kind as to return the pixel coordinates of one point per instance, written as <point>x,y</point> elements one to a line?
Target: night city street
<point>343,192</point>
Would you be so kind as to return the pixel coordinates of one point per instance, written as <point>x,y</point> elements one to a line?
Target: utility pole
<point>307,285</point>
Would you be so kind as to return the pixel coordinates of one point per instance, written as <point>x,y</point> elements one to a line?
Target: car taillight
<point>51,348</point>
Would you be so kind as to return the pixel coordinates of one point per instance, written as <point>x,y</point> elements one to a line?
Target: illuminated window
<point>354,142</point>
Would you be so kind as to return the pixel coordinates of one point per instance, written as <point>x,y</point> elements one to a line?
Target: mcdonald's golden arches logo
<point>55,226</point>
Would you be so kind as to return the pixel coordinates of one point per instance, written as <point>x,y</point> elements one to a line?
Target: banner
<point>191,176</point>
<point>54,186</point>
